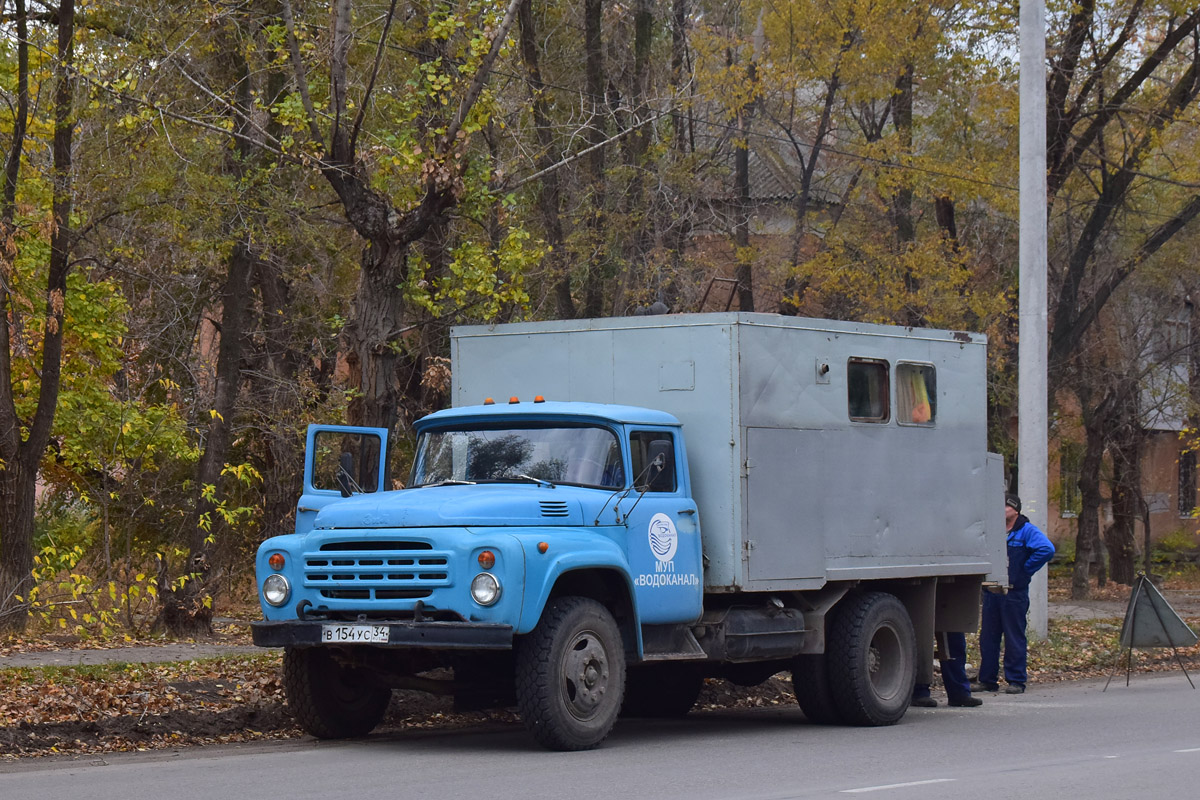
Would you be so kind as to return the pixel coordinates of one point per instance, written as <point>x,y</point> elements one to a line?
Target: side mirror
<point>662,465</point>
<point>345,474</point>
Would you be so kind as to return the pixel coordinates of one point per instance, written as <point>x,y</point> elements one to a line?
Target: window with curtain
<point>916,394</point>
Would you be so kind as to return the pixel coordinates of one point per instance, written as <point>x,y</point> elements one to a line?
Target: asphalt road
<point>1138,741</point>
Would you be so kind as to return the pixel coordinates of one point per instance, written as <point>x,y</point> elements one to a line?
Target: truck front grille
<point>379,594</point>
<point>376,570</point>
<point>375,546</point>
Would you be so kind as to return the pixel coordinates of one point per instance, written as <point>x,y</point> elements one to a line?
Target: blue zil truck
<point>615,510</point>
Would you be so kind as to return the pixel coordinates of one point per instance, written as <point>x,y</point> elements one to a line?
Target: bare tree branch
<point>366,99</point>
<point>481,76</point>
<point>301,74</point>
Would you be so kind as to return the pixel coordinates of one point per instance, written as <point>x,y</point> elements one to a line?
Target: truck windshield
<point>580,455</point>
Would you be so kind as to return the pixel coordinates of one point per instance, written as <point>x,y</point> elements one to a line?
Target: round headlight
<point>276,589</point>
<point>485,589</point>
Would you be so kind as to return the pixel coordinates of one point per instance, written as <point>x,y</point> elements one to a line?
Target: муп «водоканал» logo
<point>664,539</point>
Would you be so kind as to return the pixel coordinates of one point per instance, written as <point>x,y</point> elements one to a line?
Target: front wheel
<point>329,700</point>
<point>571,675</point>
<point>871,652</point>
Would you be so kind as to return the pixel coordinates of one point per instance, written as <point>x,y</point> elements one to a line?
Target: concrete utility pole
<point>1033,395</point>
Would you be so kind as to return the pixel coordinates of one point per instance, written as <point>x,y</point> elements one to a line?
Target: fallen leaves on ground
<point>1079,649</point>
<point>54,710</point>
<point>224,631</point>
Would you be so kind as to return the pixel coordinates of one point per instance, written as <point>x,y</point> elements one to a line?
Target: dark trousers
<point>954,669</point>
<point>1004,616</point>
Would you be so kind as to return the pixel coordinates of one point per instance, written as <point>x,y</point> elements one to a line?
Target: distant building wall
<point>1169,478</point>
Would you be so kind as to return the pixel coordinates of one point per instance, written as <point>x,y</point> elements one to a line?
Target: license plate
<point>354,633</point>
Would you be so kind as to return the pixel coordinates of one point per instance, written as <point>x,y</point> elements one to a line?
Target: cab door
<point>339,461</point>
<point>664,532</point>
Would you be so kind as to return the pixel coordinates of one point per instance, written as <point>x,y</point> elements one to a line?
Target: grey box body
<point>792,493</point>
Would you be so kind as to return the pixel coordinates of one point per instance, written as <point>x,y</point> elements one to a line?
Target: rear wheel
<point>871,659</point>
<point>571,675</point>
<point>329,700</point>
<point>810,682</point>
<point>661,690</point>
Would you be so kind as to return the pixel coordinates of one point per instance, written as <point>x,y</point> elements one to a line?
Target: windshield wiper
<point>448,482</point>
<point>538,481</point>
<point>522,477</point>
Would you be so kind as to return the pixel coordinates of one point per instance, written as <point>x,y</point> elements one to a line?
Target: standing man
<point>1004,615</point>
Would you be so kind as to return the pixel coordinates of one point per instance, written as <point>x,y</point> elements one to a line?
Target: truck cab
<point>507,507</point>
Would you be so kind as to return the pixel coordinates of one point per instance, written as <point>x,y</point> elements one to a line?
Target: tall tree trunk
<point>1087,537</point>
<point>742,206</point>
<point>1119,537</point>
<point>550,196</point>
<point>678,226</point>
<point>280,362</point>
<point>22,457</point>
<point>235,308</point>
<point>902,203</point>
<point>638,237</point>
<point>183,611</point>
<point>598,266</point>
<point>16,491</point>
<point>679,73</point>
<point>378,313</point>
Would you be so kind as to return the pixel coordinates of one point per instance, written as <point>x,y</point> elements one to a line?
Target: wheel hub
<point>586,675</point>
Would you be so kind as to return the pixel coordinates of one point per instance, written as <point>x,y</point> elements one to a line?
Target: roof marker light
<point>539,399</point>
<point>487,401</point>
<point>513,400</point>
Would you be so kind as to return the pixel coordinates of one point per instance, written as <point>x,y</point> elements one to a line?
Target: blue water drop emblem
<point>664,539</point>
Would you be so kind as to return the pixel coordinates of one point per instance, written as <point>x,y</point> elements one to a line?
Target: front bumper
<point>435,635</point>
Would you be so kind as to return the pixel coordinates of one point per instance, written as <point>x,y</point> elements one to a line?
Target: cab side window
<point>647,447</point>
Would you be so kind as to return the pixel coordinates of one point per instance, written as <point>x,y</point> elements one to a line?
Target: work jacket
<point>1028,551</point>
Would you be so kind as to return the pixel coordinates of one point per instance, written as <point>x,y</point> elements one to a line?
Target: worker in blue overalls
<point>952,658</point>
<point>1004,615</point>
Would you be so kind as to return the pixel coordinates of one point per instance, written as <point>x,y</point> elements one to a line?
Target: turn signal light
<point>543,547</point>
<point>276,561</point>
<point>487,559</point>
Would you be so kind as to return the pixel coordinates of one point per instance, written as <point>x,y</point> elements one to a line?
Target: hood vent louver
<point>555,508</point>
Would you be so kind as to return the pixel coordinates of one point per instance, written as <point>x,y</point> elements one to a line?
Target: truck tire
<point>661,690</point>
<point>328,700</point>
<point>810,683</point>
<point>571,675</point>
<point>871,659</point>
